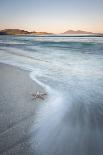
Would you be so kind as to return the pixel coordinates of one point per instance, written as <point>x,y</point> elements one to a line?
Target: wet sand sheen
<point>17,109</point>
<point>75,129</point>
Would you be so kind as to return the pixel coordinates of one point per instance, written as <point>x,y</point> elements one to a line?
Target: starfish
<point>39,95</point>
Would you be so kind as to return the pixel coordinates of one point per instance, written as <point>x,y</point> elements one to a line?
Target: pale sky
<point>54,16</point>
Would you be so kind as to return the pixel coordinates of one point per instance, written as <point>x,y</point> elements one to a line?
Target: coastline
<point>70,118</point>
<point>17,108</point>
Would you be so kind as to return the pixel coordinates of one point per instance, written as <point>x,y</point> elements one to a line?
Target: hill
<point>77,32</point>
<point>13,32</point>
<point>21,32</point>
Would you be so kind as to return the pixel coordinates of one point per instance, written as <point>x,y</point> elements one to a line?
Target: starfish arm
<point>41,97</point>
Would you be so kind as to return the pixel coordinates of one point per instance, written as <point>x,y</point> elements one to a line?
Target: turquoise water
<point>71,70</point>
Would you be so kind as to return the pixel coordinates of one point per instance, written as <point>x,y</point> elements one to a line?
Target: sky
<point>55,16</point>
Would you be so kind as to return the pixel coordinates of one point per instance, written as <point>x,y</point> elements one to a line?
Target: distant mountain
<point>13,32</point>
<point>40,33</point>
<point>78,32</point>
<point>21,32</point>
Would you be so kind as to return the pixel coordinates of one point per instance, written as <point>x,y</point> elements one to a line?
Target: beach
<point>69,121</point>
<point>17,109</point>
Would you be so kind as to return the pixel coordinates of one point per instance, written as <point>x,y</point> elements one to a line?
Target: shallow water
<point>71,70</point>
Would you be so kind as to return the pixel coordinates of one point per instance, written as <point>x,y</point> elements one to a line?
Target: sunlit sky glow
<point>54,16</point>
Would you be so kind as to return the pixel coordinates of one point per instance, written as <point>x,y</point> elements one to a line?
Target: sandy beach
<point>17,109</point>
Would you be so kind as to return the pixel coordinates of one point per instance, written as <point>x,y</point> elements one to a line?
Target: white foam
<point>34,75</point>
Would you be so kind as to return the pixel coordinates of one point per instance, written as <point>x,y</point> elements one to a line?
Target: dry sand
<point>17,109</point>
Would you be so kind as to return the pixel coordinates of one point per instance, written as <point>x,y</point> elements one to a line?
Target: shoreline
<point>17,108</point>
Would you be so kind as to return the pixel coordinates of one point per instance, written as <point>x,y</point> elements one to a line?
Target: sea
<point>70,69</point>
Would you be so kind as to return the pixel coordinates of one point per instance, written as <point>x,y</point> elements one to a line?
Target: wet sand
<point>63,129</point>
<point>17,109</point>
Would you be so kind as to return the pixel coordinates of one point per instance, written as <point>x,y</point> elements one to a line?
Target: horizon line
<point>49,31</point>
